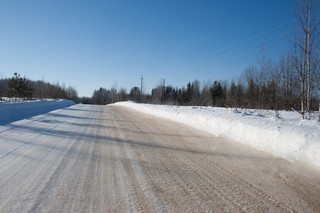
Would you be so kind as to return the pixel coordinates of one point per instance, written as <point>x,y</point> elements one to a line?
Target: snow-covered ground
<point>284,135</point>
<point>14,111</point>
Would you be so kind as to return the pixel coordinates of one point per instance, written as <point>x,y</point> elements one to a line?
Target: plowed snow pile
<point>14,111</point>
<point>285,134</point>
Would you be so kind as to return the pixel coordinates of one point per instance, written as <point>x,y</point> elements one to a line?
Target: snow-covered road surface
<point>281,133</point>
<point>114,159</point>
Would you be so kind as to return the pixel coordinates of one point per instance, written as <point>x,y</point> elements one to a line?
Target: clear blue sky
<point>90,44</point>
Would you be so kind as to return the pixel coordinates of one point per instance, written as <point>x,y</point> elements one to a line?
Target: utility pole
<point>141,88</point>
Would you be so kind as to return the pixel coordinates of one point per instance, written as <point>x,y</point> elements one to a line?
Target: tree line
<point>24,88</point>
<point>104,96</point>
<point>264,85</point>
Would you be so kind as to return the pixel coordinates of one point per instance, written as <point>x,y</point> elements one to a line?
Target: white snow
<point>285,135</point>
<point>14,111</point>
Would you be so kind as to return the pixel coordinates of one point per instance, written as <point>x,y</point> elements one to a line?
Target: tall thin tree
<point>309,25</point>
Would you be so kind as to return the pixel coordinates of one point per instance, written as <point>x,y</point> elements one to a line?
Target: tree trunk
<point>308,60</point>
<point>303,83</point>
<point>319,112</point>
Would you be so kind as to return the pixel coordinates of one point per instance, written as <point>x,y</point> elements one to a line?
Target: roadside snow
<point>284,135</point>
<point>14,111</point>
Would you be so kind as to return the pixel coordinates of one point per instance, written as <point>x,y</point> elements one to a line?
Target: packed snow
<point>283,134</point>
<point>14,111</point>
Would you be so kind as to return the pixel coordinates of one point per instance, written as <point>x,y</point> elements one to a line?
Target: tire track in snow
<point>245,191</point>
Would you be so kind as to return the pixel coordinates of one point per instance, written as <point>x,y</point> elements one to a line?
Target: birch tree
<point>308,20</point>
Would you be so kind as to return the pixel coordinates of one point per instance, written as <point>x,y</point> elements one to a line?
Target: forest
<point>22,87</point>
<point>265,85</point>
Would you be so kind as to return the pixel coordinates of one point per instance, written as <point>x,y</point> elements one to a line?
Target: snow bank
<point>284,135</point>
<point>10,112</point>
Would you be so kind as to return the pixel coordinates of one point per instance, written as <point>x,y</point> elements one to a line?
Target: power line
<point>205,58</point>
<point>233,53</point>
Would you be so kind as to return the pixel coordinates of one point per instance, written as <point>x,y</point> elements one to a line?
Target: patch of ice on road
<point>283,134</point>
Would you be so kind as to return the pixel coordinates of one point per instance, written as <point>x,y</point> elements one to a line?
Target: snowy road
<point>113,159</point>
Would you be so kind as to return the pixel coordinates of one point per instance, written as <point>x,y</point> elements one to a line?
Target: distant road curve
<point>113,159</point>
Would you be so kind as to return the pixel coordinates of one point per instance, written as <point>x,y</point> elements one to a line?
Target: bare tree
<point>308,20</point>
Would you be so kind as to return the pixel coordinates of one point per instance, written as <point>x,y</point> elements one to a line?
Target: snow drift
<point>10,112</point>
<point>285,135</point>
